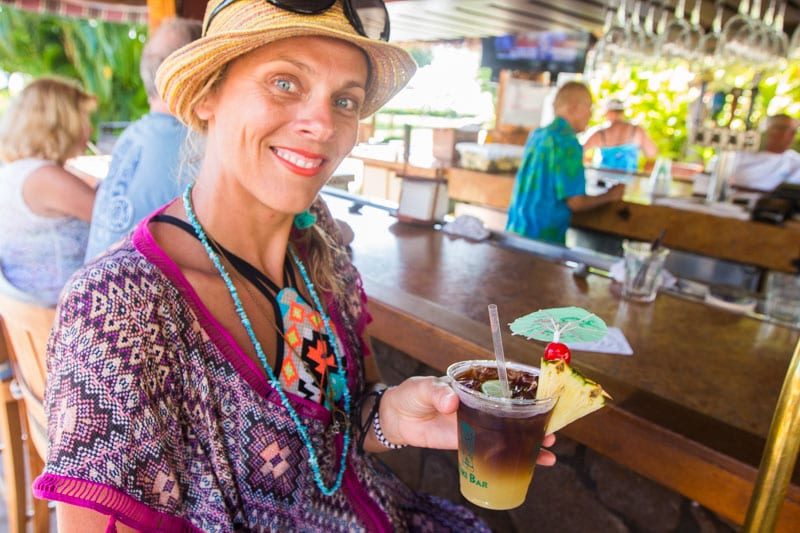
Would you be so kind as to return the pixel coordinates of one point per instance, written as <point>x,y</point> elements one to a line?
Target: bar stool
<point>26,329</point>
<point>13,434</point>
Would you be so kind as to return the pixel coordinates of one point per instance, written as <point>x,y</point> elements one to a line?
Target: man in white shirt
<point>776,163</point>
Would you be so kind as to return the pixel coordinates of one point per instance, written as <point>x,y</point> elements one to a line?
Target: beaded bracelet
<point>376,424</point>
<point>373,420</point>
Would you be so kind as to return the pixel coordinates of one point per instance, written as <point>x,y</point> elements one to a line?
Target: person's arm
<point>74,519</point>
<point>648,147</point>
<point>585,202</point>
<point>592,141</point>
<point>590,145</point>
<point>53,191</point>
<point>421,411</point>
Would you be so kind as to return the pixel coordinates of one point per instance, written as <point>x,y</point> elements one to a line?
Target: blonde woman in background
<point>44,209</point>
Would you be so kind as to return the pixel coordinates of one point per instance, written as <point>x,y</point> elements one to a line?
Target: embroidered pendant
<point>339,420</point>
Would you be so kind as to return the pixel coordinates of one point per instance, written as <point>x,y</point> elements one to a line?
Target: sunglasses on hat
<point>369,17</point>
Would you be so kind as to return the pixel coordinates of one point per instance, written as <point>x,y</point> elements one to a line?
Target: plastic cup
<point>782,301</point>
<point>643,268</point>
<point>498,438</point>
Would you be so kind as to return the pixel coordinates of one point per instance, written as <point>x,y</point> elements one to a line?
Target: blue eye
<point>286,85</point>
<point>346,103</point>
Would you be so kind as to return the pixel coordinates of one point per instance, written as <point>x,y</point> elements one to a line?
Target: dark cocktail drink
<point>499,438</point>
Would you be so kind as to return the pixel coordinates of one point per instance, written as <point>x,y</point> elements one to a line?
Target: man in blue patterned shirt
<point>137,182</point>
<point>550,182</point>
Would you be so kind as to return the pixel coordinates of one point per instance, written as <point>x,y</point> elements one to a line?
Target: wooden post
<point>158,10</point>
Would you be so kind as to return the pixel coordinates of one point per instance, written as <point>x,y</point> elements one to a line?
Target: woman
<point>618,142</point>
<point>210,374</point>
<point>44,209</point>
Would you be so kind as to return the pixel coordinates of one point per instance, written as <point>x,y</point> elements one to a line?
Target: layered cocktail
<point>499,437</point>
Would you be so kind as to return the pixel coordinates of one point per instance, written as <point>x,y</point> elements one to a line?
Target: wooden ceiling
<point>425,20</point>
<point>432,20</point>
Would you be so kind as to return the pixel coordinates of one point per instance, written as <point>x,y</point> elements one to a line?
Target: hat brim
<point>187,70</point>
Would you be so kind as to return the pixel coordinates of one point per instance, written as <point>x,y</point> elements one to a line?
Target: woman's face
<point>283,118</point>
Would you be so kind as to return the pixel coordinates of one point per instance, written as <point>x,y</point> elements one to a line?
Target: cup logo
<point>467,448</point>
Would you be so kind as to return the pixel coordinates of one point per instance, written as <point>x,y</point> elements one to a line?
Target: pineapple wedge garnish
<point>577,395</point>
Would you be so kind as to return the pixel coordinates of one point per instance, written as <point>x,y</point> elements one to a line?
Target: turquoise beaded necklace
<point>273,380</point>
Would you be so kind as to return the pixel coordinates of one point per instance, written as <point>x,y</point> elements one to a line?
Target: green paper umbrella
<point>560,324</point>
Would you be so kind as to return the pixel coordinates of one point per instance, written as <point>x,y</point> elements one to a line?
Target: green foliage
<point>661,99</point>
<point>103,56</point>
<point>422,54</point>
<point>653,101</point>
<point>485,80</point>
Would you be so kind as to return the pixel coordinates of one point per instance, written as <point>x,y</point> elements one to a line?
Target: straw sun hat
<point>245,25</point>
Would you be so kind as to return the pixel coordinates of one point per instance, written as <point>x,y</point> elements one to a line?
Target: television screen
<point>552,51</point>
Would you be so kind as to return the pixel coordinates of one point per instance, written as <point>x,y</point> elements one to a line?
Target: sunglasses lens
<point>309,7</point>
<point>371,18</point>
<point>368,17</point>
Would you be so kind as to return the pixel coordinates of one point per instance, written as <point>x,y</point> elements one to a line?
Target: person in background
<point>619,143</point>
<point>44,209</point>
<point>550,182</point>
<point>775,163</point>
<point>145,171</point>
<point>213,371</point>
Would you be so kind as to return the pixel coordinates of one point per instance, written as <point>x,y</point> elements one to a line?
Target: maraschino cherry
<point>555,351</point>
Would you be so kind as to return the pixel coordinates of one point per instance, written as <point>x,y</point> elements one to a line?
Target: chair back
<point>13,432</point>
<point>27,329</point>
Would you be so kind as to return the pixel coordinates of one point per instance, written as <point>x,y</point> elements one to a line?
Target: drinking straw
<point>497,340</point>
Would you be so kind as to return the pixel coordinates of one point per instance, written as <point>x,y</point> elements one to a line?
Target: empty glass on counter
<point>661,177</point>
<point>783,297</point>
<point>644,265</point>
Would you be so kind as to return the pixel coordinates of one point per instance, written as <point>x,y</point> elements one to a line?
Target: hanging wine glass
<point>736,36</point>
<point>778,41</point>
<point>602,57</point>
<point>649,35</point>
<point>707,49</point>
<point>615,38</point>
<point>637,43</point>
<point>672,43</point>
<point>759,46</point>
<point>794,45</point>
<point>694,35</point>
<point>612,45</point>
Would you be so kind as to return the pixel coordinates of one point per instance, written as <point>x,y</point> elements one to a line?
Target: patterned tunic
<point>550,172</point>
<point>157,418</point>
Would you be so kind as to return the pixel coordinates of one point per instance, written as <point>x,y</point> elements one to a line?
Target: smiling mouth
<point>298,160</point>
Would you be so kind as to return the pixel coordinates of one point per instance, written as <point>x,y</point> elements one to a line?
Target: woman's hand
<point>421,412</point>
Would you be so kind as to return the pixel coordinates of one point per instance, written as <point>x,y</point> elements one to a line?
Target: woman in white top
<point>44,209</point>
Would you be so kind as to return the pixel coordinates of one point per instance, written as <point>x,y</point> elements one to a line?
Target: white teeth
<point>297,160</point>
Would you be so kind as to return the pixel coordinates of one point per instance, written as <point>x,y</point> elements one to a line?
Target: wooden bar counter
<point>636,217</point>
<point>693,404</point>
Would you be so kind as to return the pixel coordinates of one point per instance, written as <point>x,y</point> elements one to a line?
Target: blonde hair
<point>47,120</point>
